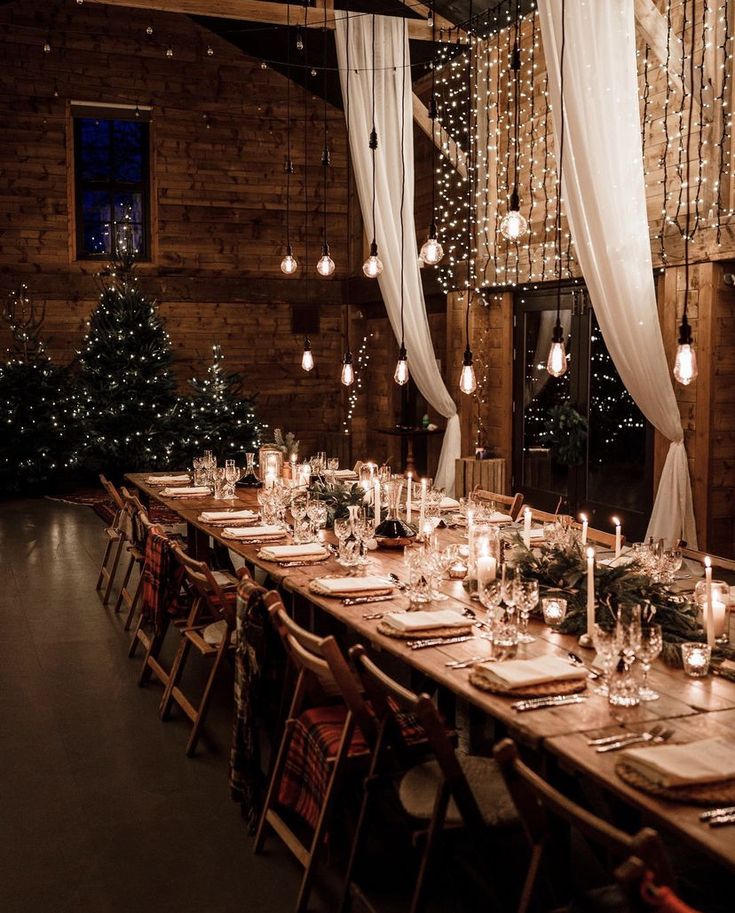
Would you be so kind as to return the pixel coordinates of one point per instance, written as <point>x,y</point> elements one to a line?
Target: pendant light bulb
<point>307,359</point>
<point>401,373</point>
<point>431,251</point>
<point>289,264</point>
<point>325,266</point>
<point>373,266</point>
<point>513,225</point>
<point>348,372</point>
<point>467,379</point>
<point>685,363</point>
<point>557,361</point>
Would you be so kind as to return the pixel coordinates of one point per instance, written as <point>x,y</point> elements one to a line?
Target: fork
<point>620,737</point>
<point>636,740</point>
<point>463,663</point>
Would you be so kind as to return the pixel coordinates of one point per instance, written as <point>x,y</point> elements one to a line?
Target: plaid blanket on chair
<point>162,578</point>
<point>259,664</point>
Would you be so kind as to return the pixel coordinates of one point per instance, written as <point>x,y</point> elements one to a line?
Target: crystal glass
<point>651,646</point>
<point>232,474</point>
<point>603,640</point>
<point>525,597</point>
<point>671,560</point>
<point>198,464</point>
<point>419,576</point>
<point>491,596</point>
<point>623,689</point>
<point>220,486</point>
<point>509,588</point>
<point>554,609</point>
<point>269,506</point>
<point>343,530</point>
<point>696,658</point>
<point>628,633</point>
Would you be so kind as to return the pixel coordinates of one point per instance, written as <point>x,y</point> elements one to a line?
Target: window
<point>111,168</point>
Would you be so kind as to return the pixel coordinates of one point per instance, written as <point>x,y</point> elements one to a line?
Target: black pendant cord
<point>373,143</point>
<point>307,344</point>
<point>289,162</point>
<point>515,65</point>
<point>685,331</point>
<point>325,150</point>
<point>470,181</point>
<point>432,115</point>
<point>402,350</point>
<point>348,353</point>
<point>557,337</point>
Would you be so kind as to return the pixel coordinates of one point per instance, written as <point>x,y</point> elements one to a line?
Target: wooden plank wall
<point>218,137</point>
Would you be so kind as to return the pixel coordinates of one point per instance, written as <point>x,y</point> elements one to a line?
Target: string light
<point>373,266</point>
<point>307,358</point>
<point>289,264</point>
<point>362,358</point>
<point>467,379</point>
<point>514,225</point>
<point>325,266</point>
<point>432,252</point>
<point>400,375</point>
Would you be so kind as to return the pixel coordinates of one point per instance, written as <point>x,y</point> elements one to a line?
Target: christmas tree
<point>35,443</point>
<point>126,388</point>
<point>217,417</point>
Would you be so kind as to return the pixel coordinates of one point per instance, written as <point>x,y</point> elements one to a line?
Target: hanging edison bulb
<point>467,379</point>
<point>685,363</point>
<point>325,266</point>
<point>431,251</point>
<point>373,266</point>
<point>556,364</point>
<point>348,372</point>
<point>401,373</point>
<point>307,359</point>
<point>514,225</point>
<point>289,264</point>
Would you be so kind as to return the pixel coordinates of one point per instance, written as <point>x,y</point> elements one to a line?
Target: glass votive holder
<point>458,569</point>
<point>554,610</point>
<point>696,657</point>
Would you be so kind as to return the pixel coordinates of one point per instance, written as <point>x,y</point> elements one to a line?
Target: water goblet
<point>651,646</point>
<point>343,531</point>
<point>491,596</point>
<point>232,474</point>
<point>603,640</point>
<point>526,599</point>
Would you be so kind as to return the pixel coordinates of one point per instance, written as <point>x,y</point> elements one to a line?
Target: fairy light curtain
<point>391,80</point>
<point>604,196</point>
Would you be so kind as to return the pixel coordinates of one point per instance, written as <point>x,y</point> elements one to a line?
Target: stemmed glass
<point>298,512</point>
<point>332,467</point>
<point>491,596</point>
<point>509,587</point>
<point>365,531</point>
<point>342,530</point>
<point>313,512</point>
<point>525,595</point>
<point>650,647</point>
<point>232,474</point>
<point>218,482</point>
<point>604,642</point>
<point>198,463</point>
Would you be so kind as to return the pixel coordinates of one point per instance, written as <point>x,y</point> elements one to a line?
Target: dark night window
<point>111,158</point>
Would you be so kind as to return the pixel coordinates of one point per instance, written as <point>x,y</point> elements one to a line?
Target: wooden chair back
<point>112,492</point>
<point>725,564</point>
<point>536,801</point>
<point>512,503</point>
<point>204,585</point>
<point>599,536</point>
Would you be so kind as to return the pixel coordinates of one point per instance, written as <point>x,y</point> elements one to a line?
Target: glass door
<point>580,442</point>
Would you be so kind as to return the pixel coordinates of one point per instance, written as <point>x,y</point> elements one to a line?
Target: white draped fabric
<point>604,198</point>
<point>390,85</point>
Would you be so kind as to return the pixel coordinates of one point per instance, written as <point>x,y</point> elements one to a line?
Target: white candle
<point>270,479</point>
<point>709,615</point>
<point>409,497</point>
<point>585,526</point>
<point>423,502</point>
<point>372,471</point>
<point>527,517</point>
<point>618,537</point>
<point>376,500</point>
<point>719,617</point>
<point>487,570</point>
<point>590,592</point>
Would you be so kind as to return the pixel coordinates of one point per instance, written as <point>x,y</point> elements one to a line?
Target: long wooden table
<point>694,706</point>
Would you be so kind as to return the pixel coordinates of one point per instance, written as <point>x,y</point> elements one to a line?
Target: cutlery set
<point>437,641</point>
<point>655,738</point>
<point>719,817</point>
<point>553,700</point>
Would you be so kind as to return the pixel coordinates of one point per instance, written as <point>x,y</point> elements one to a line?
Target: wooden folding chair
<point>448,792</point>
<point>511,503</point>
<point>317,718</point>
<point>116,536</point>
<point>724,564</point>
<point>130,596</point>
<point>600,537</point>
<point>538,803</point>
<point>209,629</point>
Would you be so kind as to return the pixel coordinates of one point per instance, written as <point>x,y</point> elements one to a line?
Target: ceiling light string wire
<point>348,371</point>
<point>401,373</point>
<point>289,265</point>
<point>373,266</point>
<point>307,358</point>
<point>325,267</point>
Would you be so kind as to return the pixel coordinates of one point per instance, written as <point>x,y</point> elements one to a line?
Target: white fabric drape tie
<point>605,202</point>
<point>392,82</point>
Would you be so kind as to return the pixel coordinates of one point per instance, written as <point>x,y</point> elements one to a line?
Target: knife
<point>542,702</point>
<point>437,641</point>
<point>722,812</point>
<point>722,820</point>
<point>361,600</point>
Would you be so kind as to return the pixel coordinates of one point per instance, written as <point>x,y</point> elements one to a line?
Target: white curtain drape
<point>605,203</point>
<point>392,82</point>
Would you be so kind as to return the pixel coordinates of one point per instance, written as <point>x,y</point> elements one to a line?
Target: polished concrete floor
<point>100,810</point>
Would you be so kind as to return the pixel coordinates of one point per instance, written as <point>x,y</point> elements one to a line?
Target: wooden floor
<point>100,811</point>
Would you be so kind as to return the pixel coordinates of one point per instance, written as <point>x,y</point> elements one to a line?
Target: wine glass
<point>525,594</point>
<point>232,474</point>
<point>298,512</point>
<point>491,596</point>
<point>604,642</point>
<point>651,645</point>
<point>198,464</point>
<point>343,532</point>
<point>509,583</point>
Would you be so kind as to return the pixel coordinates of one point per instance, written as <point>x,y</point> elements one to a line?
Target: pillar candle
<point>618,537</point>
<point>409,498</point>
<point>487,570</point>
<point>585,526</point>
<point>376,499</point>
<point>709,615</point>
<point>590,592</point>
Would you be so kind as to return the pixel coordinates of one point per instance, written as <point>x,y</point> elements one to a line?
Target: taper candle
<point>585,527</point>
<point>590,591</point>
<point>709,615</point>
<point>409,496</point>
<point>618,537</point>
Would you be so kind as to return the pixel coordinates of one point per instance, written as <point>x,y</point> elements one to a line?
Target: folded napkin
<point>254,532</point>
<point>535,535</point>
<point>448,504</point>
<point>423,621</point>
<point>166,480</point>
<point>706,761</point>
<point>338,586</point>
<point>212,516</point>
<point>280,552</point>
<point>345,474</point>
<point>188,491</point>
<point>498,517</point>
<point>520,673</point>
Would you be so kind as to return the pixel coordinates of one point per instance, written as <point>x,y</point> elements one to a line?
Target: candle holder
<point>696,658</point>
<point>720,605</point>
<point>484,542</point>
<point>270,462</point>
<point>554,609</point>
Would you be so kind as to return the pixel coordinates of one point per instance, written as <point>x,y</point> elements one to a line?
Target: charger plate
<point>420,633</point>
<point>721,793</point>
<point>544,689</point>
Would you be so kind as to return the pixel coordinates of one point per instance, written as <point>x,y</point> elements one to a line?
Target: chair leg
<point>273,785</point>
<point>154,648</point>
<point>113,572</point>
<point>134,602</point>
<point>435,827</point>
<point>346,900</point>
<point>164,708</point>
<point>126,580</point>
<point>135,640</point>
<point>101,577</point>
<point>204,703</point>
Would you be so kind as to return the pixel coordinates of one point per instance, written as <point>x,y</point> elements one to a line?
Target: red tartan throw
<point>162,577</point>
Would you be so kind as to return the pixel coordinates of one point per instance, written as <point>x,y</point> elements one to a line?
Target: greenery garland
<point>562,571</point>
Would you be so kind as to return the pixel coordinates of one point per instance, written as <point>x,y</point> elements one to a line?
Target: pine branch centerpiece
<point>562,571</point>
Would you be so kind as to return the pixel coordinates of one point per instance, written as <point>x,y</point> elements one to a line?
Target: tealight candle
<point>458,570</point>
<point>554,610</point>
<point>618,537</point>
<point>696,658</point>
<point>590,592</point>
<point>585,527</point>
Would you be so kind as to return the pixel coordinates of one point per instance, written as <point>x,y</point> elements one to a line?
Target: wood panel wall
<point>218,142</point>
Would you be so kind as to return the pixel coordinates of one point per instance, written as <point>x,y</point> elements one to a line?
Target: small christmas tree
<point>35,443</point>
<point>216,417</point>
<point>126,387</point>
